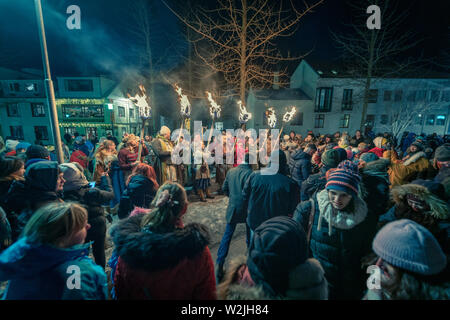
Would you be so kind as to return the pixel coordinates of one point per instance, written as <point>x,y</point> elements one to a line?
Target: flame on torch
<point>184,102</point>
<point>244,116</point>
<point>289,115</point>
<point>271,117</point>
<point>214,110</point>
<point>140,100</point>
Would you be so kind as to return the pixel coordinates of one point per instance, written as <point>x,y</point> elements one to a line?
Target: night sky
<point>105,44</point>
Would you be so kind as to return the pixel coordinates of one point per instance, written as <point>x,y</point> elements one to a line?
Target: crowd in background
<point>337,205</point>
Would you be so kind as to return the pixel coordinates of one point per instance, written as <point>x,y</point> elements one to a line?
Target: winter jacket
<point>127,157</point>
<point>300,166</point>
<point>34,160</point>
<point>416,167</point>
<point>232,187</point>
<point>339,247</point>
<point>80,157</point>
<point>176,265</point>
<point>268,196</point>
<point>139,193</point>
<point>408,141</point>
<point>5,231</point>
<point>314,183</point>
<point>354,142</point>
<point>43,272</point>
<point>306,282</point>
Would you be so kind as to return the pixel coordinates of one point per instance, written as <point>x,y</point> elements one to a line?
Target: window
<point>320,119</point>
<point>411,96</point>
<point>440,120</point>
<point>387,95</point>
<point>434,95</point>
<point>16,132</point>
<point>345,120</point>
<point>14,87</point>
<point>419,120</point>
<point>70,130</point>
<point>121,112</point>
<point>30,87</point>
<point>370,120</point>
<point>83,111</point>
<point>445,96</point>
<point>298,119</point>
<point>421,95</point>
<point>324,97</point>
<point>398,95</point>
<point>347,99</point>
<point>78,85</point>
<point>37,110</point>
<point>131,113</point>
<point>91,132</point>
<point>373,96</point>
<point>384,119</point>
<point>41,132</point>
<point>430,120</point>
<point>13,110</point>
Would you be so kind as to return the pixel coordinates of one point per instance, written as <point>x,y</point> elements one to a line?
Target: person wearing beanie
<point>316,182</point>
<point>277,266</point>
<point>422,201</point>
<point>413,166</point>
<point>441,162</point>
<point>342,153</point>
<point>270,195</point>
<point>76,188</point>
<point>381,146</point>
<point>36,153</point>
<point>357,139</point>
<point>342,230</point>
<point>413,265</point>
<point>300,164</point>
<point>43,184</point>
<point>160,258</point>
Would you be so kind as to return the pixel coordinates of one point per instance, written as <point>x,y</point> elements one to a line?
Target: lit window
<point>440,120</point>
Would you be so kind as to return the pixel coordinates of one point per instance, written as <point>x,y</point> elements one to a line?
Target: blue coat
<point>41,272</point>
<point>300,166</point>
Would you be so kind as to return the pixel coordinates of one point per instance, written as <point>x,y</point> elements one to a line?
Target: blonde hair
<point>54,222</point>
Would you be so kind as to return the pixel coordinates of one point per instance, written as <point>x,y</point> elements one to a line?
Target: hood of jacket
<point>138,184</point>
<point>414,158</point>
<point>24,259</point>
<point>380,165</point>
<point>31,161</point>
<point>42,175</point>
<point>438,208</point>
<point>299,154</point>
<point>157,251</point>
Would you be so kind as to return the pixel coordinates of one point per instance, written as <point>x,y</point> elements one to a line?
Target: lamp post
<point>50,92</point>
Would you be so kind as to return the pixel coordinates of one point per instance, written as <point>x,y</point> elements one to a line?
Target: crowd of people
<point>337,205</point>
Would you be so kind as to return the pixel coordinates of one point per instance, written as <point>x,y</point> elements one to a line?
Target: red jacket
<point>162,266</point>
<point>377,151</point>
<point>80,157</point>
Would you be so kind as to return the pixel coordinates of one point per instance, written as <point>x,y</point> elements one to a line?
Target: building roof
<point>25,74</point>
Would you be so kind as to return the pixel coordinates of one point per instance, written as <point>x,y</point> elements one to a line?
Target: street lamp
<point>50,92</point>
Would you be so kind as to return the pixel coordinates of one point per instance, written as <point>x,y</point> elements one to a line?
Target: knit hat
<point>11,144</point>
<point>331,158</point>
<point>164,130</point>
<point>23,145</point>
<point>379,142</point>
<point>277,246</point>
<point>419,145</point>
<point>37,152</point>
<point>342,153</point>
<point>73,174</point>
<point>442,153</point>
<point>285,137</point>
<point>369,157</point>
<point>79,140</point>
<point>344,178</point>
<point>407,245</point>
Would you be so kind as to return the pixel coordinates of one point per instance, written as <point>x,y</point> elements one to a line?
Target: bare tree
<point>236,39</point>
<point>376,53</point>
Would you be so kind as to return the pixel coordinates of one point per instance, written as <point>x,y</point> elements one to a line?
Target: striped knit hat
<point>344,178</point>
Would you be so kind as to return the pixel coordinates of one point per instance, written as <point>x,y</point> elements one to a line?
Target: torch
<point>214,111</point>
<point>185,109</point>
<point>244,116</point>
<point>140,100</point>
<point>271,121</point>
<point>286,118</point>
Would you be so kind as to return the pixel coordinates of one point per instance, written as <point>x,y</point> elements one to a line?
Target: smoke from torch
<point>140,100</point>
<point>289,115</point>
<point>214,110</point>
<point>244,116</point>
<point>271,117</point>
<point>184,102</point>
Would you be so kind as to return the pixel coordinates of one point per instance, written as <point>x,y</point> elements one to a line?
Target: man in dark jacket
<point>139,193</point>
<point>77,189</point>
<point>300,164</point>
<point>36,153</point>
<point>442,163</point>
<point>232,187</point>
<point>316,182</point>
<point>269,196</point>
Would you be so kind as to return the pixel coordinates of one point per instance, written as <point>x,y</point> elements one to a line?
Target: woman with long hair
<point>104,156</point>
<point>50,261</point>
<point>140,191</point>
<point>159,257</point>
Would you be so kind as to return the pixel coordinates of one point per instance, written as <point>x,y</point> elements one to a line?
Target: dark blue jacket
<point>140,193</point>
<point>268,196</point>
<point>300,166</point>
<point>232,187</point>
<point>42,272</point>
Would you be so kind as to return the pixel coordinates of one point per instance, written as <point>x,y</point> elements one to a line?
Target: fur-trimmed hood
<point>157,251</point>
<point>380,165</point>
<point>306,282</point>
<point>415,157</point>
<point>438,208</point>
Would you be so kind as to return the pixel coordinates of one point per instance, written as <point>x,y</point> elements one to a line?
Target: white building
<point>327,103</point>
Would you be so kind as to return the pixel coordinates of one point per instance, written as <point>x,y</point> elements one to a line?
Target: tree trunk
<point>243,69</point>
<point>368,80</point>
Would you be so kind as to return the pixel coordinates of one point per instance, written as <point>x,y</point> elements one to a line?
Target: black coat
<point>314,183</point>
<point>232,187</point>
<point>300,166</point>
<point>268,196</point>
<point>139,192</point>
